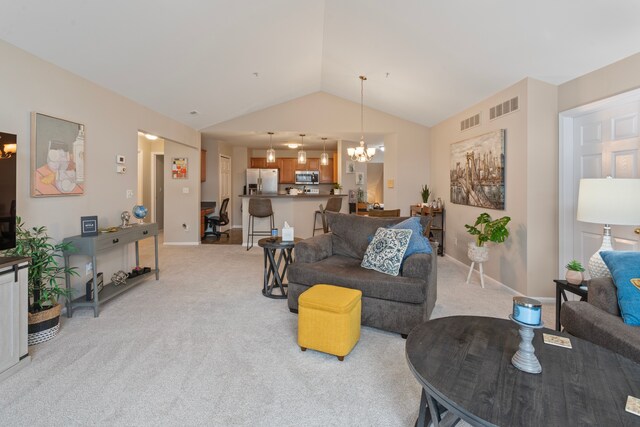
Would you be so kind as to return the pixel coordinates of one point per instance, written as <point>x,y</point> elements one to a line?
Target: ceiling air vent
<point>470,122</point>
<point>506,107</point>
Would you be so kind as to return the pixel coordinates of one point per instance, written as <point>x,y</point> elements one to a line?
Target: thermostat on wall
<point>120,159</point>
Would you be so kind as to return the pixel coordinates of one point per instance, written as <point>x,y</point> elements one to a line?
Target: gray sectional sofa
<point>598,320</point>
<point>392,303</point>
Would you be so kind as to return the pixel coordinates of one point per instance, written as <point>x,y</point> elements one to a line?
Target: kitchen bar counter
<point>298,211</point>
<point>299,196</point>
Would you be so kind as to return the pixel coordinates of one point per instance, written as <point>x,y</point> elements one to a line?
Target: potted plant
<point>44,275</point>
<point>486,230</point>
<point>574,272</point>
<point>337,188</point>
<point>425,192</point>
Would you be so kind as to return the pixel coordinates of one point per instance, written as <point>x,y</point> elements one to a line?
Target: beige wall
<point>111,122</point>
<point>406,143</point>
<point>527,261</point>
<point>616,78</point>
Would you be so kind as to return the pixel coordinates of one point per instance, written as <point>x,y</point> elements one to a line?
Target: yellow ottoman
<point>329,319</point>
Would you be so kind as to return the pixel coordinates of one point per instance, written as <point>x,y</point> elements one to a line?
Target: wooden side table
<point>272,276</point>
<point>561,287</point>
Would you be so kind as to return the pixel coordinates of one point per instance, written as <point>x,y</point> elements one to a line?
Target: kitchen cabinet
<point>287,171</point>
<point>14,302</point>
<point>327,175</point>
<point>259,162</point>
<point>203,165</point>
<point>288,166</point>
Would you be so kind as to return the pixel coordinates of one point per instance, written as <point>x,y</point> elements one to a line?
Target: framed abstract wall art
<point>179,168</point>
<point>477,171</point>
<point>58,167</point>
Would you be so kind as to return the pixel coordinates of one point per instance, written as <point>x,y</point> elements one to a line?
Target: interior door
<point>606,143</point>
<point>159,190</point>
<point>225,185</point>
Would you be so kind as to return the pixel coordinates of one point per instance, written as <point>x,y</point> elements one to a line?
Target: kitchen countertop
<point>289,196</point>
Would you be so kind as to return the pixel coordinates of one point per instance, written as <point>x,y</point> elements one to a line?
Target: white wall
<point>239,160</point>
<point>111,122</point>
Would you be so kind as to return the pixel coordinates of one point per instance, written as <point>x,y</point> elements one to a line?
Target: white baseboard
<point>181,243</point>
<point>544,300</point>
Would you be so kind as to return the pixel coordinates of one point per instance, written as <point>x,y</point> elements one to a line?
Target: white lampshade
<point>351,151</point>
<point>324,159</point>
<point>271,155</point>
<point>609,201</point>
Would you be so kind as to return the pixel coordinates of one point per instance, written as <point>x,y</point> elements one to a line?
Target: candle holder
<point>525,358</point>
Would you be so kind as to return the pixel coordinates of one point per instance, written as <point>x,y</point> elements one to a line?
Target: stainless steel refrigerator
<point>262,181</point>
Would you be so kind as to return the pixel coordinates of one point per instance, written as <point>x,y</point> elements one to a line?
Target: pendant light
<point>324,157</point>
<point>361,153</point>
<point>302,155</point>
<point>271,153</point>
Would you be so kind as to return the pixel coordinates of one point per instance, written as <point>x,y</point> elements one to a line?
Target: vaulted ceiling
<point>425,59</point>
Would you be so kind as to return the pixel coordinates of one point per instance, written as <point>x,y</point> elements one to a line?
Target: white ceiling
<point>441,56</point>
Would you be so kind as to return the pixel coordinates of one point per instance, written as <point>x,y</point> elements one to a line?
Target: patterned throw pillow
<point>625,269</point>
<point>386,250</point>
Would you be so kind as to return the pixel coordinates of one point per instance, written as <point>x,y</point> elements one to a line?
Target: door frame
<point>154,155</point>
<point>230,205</point>
<point>566,189</point>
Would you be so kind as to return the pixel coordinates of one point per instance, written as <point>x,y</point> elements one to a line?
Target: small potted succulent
<point>337,188</point>
<point>574,272</point>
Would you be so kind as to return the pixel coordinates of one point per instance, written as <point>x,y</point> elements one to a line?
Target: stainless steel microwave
<point>307,177</point>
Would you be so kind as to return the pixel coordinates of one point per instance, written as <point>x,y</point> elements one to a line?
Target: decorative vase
<point>574,277</point>
<point>336,191</point>
<point>44,325</point>
<point>477,253</point>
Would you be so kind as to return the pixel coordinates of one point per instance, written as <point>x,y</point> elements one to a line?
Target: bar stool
<point>258,208</point>
<point>334,204</point>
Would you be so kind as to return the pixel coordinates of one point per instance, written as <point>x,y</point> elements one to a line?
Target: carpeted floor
<point>202,346</point>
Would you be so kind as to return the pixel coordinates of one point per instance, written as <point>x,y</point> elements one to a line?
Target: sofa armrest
<point>603,295</point>
<point>425,268</point>
<point>588,322</point>
<point>314,249</point>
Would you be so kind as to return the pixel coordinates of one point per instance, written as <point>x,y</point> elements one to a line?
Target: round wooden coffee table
<point>272,276</point>
<point>464,366</point>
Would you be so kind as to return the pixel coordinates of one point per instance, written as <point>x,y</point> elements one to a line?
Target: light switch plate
<point>120,159</point>
<point>185,190</point>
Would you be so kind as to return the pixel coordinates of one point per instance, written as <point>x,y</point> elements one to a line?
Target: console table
<point>463,364</point>
<point>93,246</point>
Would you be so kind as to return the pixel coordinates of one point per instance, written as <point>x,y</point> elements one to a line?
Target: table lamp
<point>608,201</point>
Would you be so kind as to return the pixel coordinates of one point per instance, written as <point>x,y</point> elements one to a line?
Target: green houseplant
<point>486,229</point>
<point>574,272</point>
<point>337,188</point>
<point>45,272</point>
<point>425,193</point>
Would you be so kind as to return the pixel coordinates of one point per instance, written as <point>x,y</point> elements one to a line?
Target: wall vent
<point>470,122</point>
<point>506,107</point>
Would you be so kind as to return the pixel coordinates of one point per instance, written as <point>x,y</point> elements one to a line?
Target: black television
<point>8,149</point>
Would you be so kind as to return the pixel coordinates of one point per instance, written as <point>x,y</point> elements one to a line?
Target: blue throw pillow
<point>418,244</point>
<point>625,269</point>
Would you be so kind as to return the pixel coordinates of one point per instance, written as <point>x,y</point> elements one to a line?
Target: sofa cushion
<point>345,271</point>
<point>418,243</point>
<point>349,232</point>
<point>625,269</point>
<point>386,251</point>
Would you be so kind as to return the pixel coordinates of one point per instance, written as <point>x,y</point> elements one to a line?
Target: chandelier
<point>361,153</point>
<point>271,153</point>
<point>302,155</point>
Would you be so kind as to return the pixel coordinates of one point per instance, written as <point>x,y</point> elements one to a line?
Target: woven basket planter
<point>44,325</point>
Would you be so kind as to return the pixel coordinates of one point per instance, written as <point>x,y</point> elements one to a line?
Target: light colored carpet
<point>202,346</point>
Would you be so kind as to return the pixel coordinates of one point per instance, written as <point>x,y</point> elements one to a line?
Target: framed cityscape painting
<point>477,171</point>
<point>57,157</point>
